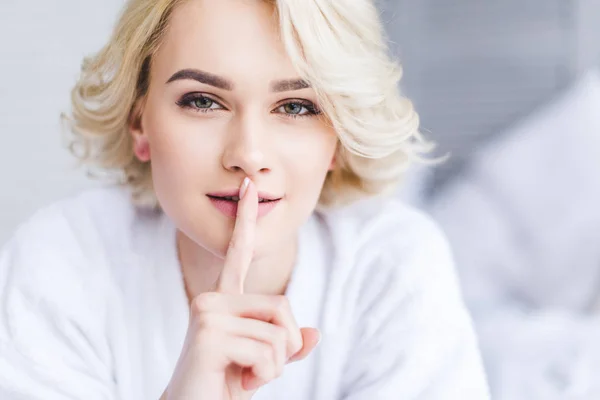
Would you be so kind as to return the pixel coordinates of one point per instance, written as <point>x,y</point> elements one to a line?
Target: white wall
<point>42,43</point>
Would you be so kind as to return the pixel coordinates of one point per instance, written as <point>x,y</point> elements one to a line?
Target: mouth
<point>234,196</point>
<point>227,202</point>
<point>235,199</point>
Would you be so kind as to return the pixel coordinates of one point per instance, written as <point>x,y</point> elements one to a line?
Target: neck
<point>267,274</point>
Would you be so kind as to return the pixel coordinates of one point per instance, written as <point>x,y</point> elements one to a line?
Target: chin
<point>210,229</point>
<point>214,236</point>
<point>215,239</point>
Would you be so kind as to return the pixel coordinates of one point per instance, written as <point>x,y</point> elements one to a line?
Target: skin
<point>248,131</point>
<point>202,139</point>
<point>237,342</point>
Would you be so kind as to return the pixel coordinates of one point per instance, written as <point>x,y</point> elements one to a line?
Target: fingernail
<point>253,384</point>
<point>244,187</point>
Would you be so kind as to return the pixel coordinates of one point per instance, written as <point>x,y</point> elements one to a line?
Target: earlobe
<point>141,148</point>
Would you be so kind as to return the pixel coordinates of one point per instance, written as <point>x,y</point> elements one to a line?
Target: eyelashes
<point>198,102</point>
<point>291,108</point>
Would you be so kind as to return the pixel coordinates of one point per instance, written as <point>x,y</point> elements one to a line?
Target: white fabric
<point>524,223</point>
<point>93,307</point>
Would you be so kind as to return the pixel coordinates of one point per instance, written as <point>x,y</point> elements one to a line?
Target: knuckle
<point>265,355</point>
<point>281,337</point>
<point>206,322</point>
<point>281,304</point>
<point>296,346</point>
<point>281,334</point>
<point>204,302</point>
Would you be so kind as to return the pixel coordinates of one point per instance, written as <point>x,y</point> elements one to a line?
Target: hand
<point>237,342</point>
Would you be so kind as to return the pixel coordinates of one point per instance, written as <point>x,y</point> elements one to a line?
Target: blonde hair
<point>340,49</point>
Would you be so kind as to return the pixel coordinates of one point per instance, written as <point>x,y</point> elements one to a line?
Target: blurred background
<point>510,89</point>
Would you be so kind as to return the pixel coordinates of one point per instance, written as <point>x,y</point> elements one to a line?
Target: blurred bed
<point>511,90</point>
<point>524,221</point>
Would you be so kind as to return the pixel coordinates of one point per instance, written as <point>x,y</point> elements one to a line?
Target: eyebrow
<point>225,84</point>
<point>289,85</point>
<point>202,77</point>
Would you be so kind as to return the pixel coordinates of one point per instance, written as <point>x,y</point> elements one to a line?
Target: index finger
<point>241,247</point>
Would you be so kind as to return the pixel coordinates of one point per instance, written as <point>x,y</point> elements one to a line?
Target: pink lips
<point>229,207</point>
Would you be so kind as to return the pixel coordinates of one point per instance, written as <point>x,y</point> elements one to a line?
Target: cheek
<point>185,156</point>
<point>309,160</point>
<point>182,150</point>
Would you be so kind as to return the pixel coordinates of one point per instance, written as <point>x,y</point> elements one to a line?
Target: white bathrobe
<point>93,307</point>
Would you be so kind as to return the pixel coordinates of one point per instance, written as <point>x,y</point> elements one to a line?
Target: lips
<point>236,198</point>
<point>233,195</point>
<point>227,202</point>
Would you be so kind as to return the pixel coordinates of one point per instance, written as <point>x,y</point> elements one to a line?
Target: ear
<point>141,146</point>
<point>333,163</point>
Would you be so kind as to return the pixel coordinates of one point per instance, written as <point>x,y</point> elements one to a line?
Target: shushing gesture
<point>237,342</point>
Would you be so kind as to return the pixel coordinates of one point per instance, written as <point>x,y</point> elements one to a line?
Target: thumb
<point>310,339</point>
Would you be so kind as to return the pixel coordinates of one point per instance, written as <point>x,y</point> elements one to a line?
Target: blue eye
<point>198,102</point>
<point>298,108</point>
<point>294,108</point>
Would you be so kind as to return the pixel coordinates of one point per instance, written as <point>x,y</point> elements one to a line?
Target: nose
<point>246,150</point>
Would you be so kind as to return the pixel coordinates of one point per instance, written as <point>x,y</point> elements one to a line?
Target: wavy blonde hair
<point>340,49</point>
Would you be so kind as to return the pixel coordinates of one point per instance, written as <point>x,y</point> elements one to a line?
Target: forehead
<point>237,39</point>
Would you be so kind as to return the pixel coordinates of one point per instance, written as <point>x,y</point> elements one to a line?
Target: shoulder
<point>59,253</point>
<point>395,285</point>
<point>101,206</point>
<point>58,287</point>
<point>391,234</point>
<point>373,220</point>
<point>395,289</point>
<point>387,254</point>
<point>76,224</point>
<point>77,209</point>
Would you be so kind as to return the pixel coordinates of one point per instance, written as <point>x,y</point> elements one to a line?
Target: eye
<point>294,108</point>
<point>198,102</point>
<point>298,108</point>
<point>202,102</point>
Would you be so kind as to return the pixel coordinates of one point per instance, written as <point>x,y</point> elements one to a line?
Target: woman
<point>243,130</point>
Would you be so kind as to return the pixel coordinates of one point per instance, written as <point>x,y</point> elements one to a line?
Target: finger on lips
<point>266,331</point>
<point>241,246</point>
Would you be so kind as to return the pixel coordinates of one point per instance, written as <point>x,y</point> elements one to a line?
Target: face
<point>224,103</point>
